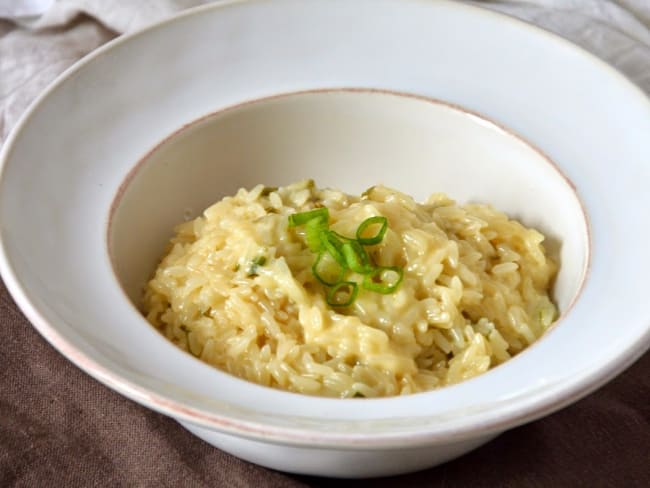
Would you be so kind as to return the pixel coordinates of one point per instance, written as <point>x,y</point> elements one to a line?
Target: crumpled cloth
<point>59,427</point>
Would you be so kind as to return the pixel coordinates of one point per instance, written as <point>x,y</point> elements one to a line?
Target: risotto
<point>323,293</point>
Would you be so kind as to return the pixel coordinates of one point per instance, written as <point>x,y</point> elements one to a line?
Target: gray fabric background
<point>59,427</point>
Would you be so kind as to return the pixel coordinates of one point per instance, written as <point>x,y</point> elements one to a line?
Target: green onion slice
<point>383,280</point>
<point>378,220</point>
<point>313,230</point>
<point>356,257</point>
<point>256,263</point>
<point>327,270</point>
<point>332,244</point>
<point>303,217</point>
<point>342,294</point>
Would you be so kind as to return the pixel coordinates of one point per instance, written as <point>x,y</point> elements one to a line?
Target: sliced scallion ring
<point>327,270</point>
<point>379,220</point>
<point>356,257</point>
<point>383,279</point>
<point>342,294</point>
<point>303,217</point>
<point>313,230</point>
<point>332,244</point>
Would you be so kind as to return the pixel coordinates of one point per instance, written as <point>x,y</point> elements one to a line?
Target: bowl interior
<point>347,140</point>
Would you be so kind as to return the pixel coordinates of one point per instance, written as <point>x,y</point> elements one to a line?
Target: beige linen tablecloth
<point>60,428</point>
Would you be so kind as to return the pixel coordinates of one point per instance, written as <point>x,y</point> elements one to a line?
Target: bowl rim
<point>530,408</point>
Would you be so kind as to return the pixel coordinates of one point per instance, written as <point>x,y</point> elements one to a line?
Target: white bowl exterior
<point>339,463</point>
<point>105,116</point>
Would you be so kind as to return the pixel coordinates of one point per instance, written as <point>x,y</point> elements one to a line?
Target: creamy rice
<point>236,289</point>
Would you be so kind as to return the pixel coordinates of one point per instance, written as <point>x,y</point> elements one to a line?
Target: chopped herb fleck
<point>255,264</point>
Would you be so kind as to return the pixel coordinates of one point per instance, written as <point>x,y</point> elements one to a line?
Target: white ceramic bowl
<point>375,84</point>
